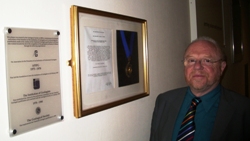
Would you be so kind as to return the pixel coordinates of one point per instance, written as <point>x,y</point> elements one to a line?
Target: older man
<point>203,111</point>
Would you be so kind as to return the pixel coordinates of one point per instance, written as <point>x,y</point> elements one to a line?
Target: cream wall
<point>168,34</point>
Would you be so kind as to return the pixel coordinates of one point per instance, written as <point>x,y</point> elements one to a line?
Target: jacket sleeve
<point>247,123</point>
<point>155,120</point>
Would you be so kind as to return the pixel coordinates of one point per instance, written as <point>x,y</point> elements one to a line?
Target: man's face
<point>201,77</point>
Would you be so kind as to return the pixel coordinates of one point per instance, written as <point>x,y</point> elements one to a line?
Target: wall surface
<point>168,35</point>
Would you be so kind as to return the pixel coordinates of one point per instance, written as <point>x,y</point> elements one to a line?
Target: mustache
<point>198,73</point>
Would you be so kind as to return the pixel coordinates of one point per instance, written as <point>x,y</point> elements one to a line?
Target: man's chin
<point>198,87</point>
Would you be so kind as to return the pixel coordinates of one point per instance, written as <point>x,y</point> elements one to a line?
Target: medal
<point>128,69</point>
<point>128,50</point>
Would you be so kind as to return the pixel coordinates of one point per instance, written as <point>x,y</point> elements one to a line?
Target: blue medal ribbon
<point>128,49</point>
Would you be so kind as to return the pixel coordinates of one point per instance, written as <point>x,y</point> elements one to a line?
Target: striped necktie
<point>187,129</point>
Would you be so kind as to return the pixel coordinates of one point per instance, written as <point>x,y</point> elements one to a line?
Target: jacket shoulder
<point>172,94</point>
<point>235,98</point>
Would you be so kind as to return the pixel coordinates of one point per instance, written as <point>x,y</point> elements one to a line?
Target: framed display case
<point>109,59</point>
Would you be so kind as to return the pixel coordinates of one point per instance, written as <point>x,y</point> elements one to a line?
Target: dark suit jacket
<point>232,122</point>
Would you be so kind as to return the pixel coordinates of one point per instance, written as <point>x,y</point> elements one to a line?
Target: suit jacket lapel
<point>224,114</point>
<point>170,114</point>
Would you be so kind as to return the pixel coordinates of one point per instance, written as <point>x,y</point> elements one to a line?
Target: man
<point>218,114</point>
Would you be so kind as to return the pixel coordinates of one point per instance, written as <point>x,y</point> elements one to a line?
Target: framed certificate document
<point>109,59</point>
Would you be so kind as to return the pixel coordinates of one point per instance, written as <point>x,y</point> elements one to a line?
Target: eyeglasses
<point>204,62</point>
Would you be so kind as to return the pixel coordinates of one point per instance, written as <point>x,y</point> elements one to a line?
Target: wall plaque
<point>33,78</point>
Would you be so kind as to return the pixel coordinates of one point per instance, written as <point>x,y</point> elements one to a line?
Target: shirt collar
<point>208,99</point>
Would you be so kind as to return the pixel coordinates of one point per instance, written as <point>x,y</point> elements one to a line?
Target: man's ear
<point>223,66</point>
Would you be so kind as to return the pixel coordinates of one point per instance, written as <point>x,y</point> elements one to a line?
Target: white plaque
<point>33,78</point>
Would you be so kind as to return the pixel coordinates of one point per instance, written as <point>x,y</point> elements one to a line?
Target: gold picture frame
<point>109,60</point>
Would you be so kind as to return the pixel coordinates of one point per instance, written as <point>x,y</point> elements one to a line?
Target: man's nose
<point>198,64</point>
